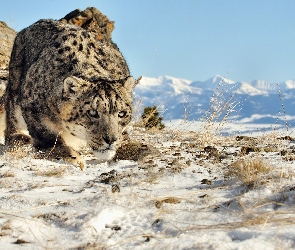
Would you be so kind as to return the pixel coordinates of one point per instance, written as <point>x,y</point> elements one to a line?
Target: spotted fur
<point>67,90</point>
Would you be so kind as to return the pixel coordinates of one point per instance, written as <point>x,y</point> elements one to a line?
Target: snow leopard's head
<point>97,112</point>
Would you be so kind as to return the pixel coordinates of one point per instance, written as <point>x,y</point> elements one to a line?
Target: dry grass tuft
<point>250,171</point>
<point>171,200</point>
<point>53,171</point>
<point>5,229</point>
<point>10,183</point>
<point>220,107</point>
<point>8,173</point>
<point>17,152</point>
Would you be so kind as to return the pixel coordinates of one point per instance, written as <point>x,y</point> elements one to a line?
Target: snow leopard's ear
<point>130,84</point>
<point>73,86</point>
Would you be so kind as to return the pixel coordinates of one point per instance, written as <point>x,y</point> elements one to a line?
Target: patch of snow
<point>250,90</point>
<point>106,218</point>
<point>179,197</point>
<point>290,84</point>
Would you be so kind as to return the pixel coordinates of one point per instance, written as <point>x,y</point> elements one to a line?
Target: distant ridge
<point>257,101</point>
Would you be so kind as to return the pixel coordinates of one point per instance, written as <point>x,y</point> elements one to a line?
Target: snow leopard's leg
<point>16,128</point>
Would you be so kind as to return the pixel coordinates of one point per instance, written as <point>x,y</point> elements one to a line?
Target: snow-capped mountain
<point>258,101</point>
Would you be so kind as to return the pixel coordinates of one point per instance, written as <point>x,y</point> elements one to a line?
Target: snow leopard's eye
<point>122,114</point>
<point>93,113</point>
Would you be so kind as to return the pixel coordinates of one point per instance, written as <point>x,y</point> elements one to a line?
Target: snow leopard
<point>68,92</point>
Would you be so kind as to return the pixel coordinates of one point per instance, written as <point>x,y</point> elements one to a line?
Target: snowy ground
<point>191,191</point>
<point>231,128</point>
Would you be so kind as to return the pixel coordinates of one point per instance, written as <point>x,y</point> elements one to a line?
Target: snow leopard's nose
<point>110,139</point>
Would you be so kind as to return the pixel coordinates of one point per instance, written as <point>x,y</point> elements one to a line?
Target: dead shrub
<point>250,171</point>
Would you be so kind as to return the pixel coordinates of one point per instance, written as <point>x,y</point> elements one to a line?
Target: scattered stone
<point>176,154</point>
<point>115,188</point>
<point>204,196</point>
<point>147,238</point>
<point>157,223</point>
<point>283,152</point>
<point>113,227</point>
<point>244,138</point>
<point>158,204</point>
<point>287,137</point>
<point>212,152</point>
<point>108,178</point>
<point>20,241</point>
<point>246,150</point>
<point>206,181</point>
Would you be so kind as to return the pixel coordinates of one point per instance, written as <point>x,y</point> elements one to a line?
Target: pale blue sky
<point>191,39</point>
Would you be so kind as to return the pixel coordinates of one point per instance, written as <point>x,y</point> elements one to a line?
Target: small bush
<point>151,119</point>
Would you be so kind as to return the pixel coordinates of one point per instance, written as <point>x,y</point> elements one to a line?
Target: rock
<point>7,36</point>
<point>92,20</point>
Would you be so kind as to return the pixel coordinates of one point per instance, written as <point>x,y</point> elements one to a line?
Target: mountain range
<point>219,97</point>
